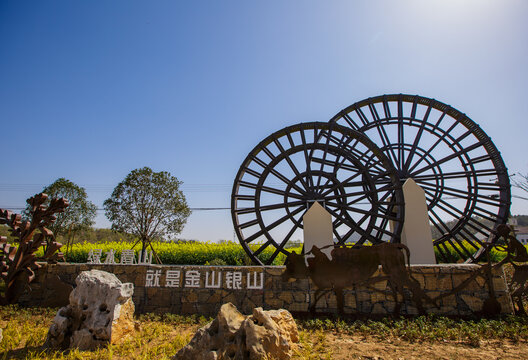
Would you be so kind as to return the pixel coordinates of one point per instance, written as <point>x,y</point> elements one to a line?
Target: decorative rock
<point>263,335</point>
<point>100,312</point>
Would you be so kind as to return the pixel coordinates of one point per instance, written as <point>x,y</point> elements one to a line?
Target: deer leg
<point>521,296</point>
<point>520,305</point>
<point>397,304</point>
<point>417,294</point>
<point>340,301</point>
<point>517,298</point>
<point>317,296</point>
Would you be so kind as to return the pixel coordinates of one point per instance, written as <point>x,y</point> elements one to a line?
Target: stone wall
<point>198,290</point>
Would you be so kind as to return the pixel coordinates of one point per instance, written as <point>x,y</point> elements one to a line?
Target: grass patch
<point>430,328</point>
<point>161,336</point>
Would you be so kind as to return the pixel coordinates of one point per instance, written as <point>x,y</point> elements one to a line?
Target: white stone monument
<point>318,229</point>
<point>416,233</point>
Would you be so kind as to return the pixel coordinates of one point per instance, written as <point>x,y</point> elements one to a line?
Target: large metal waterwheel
<point>336,166</point>
<point>461,171</point>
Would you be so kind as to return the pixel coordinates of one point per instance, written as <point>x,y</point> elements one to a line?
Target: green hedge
<point>196,253</point>
<point>199,253</point>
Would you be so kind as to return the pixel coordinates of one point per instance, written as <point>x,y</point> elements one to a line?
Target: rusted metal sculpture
<point>18,264</point>
<point>338,167</point>
<point>449,156</point>
<point>515,253</point>
<point>355,266</point>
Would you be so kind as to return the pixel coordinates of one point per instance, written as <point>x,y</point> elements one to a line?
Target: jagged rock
<point>100,312</point>
<point>264,335</point>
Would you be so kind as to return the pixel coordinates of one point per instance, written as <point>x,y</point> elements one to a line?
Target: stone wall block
<point>269,295</point>
<point>377,297</point>
<point>287,297</point>
<point>362,295</point>
<point>257,297</point>
<point>204,295</point>
<point>473,302</point>
<point>274,270</point>
<point>499,284</point>
<point>248,305</point>
<point>350,300</point>
<point>481,281</point>
<point>421,279</point>
<point>302,284</point>
<point>473,285</point>
<point>215,297</point>
<point>411,310</point>
<point>459,278</point>
<point>175,298</point>
<point>381,285</point>
<point>299,296</point>
<point>450,301</point>
<point>378,309</point>
<point>505,302</point>
<point>275,303</point>
<point>331,301</point>
<point>301,307</point>
<point>389,306</point>
<point>232,298</point>
<point>450,311</point>
<point>365,307</point>
<point>188,308</point>
<point>321,304</point>
<point>443,281</point>
<point>192,296</point>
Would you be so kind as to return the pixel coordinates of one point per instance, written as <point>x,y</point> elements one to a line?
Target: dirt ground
<point>358,347</point>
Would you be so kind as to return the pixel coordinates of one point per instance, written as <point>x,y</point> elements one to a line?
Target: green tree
<point>148,205</point>
<point>79,215</point>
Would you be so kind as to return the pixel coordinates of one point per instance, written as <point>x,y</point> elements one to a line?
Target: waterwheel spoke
<point>417,138</point>
<point>290,163</point>
<point>383,135</point>
<point>281,246</point>
<point>271,226</point>
<point>248,210</point>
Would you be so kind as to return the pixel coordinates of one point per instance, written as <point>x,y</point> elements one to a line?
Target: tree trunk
<point>144,244</point>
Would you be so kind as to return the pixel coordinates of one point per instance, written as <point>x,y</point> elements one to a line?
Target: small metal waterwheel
<point>336,166</point>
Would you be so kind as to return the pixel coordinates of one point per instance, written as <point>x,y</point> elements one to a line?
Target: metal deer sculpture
<point>515,253</point>
<point>18,264</point>
<point>355,266</point>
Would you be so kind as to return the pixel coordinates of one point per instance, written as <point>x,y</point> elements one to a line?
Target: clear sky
<point>90,90</point>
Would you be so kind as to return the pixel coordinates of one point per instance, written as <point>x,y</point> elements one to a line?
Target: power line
<point>519,197</point>
<point>228,208</point>
<point>102,209</point>
<point>109,187</point>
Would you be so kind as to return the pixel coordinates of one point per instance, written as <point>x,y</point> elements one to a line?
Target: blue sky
<point>91,90</point>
